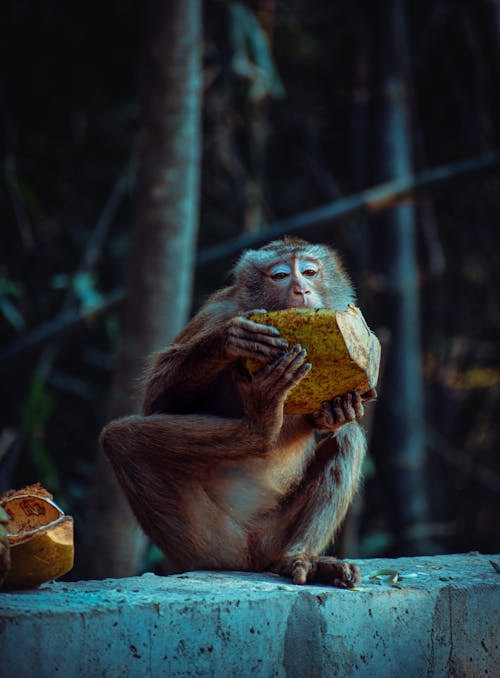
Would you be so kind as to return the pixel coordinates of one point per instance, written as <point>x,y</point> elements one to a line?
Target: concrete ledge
<point>443,621</point>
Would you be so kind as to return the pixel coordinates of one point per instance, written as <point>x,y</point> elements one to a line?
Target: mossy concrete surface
<point>440,618</point>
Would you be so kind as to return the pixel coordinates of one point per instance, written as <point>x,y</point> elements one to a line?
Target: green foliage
<point>252,58</point>
<point>37,410</point>
<point>113,330</point>
<point>11,288</point>
<point>25,194</point>
<point>84,287</point>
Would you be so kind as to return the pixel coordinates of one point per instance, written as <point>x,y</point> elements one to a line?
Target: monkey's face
<point>294,282</point>
<point>291,273</point>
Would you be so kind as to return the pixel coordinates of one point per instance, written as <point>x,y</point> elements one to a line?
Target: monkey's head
<point>292,273</point>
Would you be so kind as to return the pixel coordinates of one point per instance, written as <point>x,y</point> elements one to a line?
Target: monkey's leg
<point>160,462</point>
<point>158,459</point>
<point>309,517</point>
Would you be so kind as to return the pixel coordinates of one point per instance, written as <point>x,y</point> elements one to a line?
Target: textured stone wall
<point>441,618</point>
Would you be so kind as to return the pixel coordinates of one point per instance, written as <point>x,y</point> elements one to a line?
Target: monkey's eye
<point>310,272</point>
<point>279,276</point>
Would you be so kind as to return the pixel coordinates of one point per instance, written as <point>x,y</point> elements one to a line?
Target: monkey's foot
<point>306,568</point>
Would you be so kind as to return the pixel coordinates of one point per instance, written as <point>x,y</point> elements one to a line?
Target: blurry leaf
<point>11,287</point>
<point>25,194</point>
<point>472,378</point>
<point>11,314</point>
<point>37,409</point>
<point>46,468</point>
<point>113,330</point>
<point>481,377</point>
<point>252,58</point>
<point>7,309</point>
<point>60,281</point>
<point>36,413</point>
<point>84,286</point>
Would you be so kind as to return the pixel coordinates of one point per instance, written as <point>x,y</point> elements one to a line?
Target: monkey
<point>217,475</point>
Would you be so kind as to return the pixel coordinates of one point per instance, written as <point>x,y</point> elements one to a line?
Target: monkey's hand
<point>246,339</point>
<point>264,394</point>
<point>338,412</point>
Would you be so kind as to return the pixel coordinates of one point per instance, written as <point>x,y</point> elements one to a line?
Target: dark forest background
<point>302,104</point>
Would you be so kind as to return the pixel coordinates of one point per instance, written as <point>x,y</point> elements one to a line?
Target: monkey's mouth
<point>304,302</point>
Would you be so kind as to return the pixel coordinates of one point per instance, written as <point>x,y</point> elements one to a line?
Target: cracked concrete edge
<point>442,621</point>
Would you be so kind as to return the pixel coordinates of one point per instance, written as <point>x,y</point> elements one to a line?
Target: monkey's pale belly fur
<point>240,499</point>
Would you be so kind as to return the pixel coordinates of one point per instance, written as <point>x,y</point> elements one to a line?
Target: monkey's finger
<point>243,329</point>
<point>275,369</point>
<point>287,370</point>
<point>347,407</point>
<point>255,328</point>
<point>293,366</point>
<point>245,348</point>
<point>369,395</point>
<point>295,354</point>
<point>300,373</point>
<point>266,340</point>
<point>257,344</point>
<point>325,413</point>
<point>247,314</point>
<point>288,364</point>
<point>357,403</point>
<point>338,411</point>
<point>251,343</point>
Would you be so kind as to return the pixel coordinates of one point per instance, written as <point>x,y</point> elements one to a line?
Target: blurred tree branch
<point>368,202</point>
<point>88,261</point>
<point>373,200</point>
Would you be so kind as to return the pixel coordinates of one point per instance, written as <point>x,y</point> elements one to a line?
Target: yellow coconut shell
<point>344,353</point>
<point>40,538</point>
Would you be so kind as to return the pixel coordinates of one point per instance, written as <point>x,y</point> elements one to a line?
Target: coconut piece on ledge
<point>40,537</point>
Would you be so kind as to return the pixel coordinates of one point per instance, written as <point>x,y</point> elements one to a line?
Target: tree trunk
<point>399,422</point>
<point>161,262</point>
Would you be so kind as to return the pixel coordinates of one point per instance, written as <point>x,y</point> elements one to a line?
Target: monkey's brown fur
<point>217,476</point>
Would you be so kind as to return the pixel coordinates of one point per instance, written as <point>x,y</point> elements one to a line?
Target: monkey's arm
<point>196,438</point>
<point>213,341</point>
<point>180,372</point>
